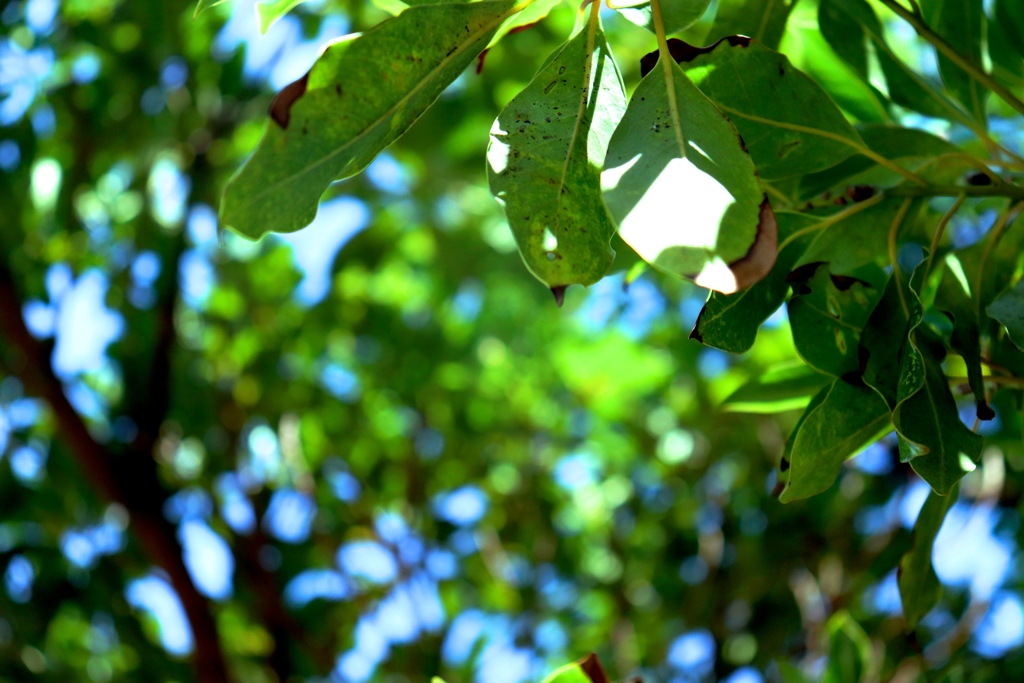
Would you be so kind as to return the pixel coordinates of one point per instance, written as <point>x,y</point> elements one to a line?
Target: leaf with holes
<point>828,312</point>
<point>683,190</point>
<point>544,162</point>
<point>920,589</point>
<point>361,95</point>
<point>730,321</point>
<point>788,123</point>
<point>839,422</point>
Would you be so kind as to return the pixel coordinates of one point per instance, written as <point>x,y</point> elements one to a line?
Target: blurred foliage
<point>400,459</point>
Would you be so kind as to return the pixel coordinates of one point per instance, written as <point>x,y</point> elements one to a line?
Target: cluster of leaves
<point>730,166</point>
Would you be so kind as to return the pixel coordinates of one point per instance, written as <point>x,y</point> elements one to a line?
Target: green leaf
<point>789,124</point>
<point>849,654</point>
<point>544,161</point>
<point>675,14</point>
<point>870,226</point>
<point>1006,41</point>
<point>787,387</point>
<point>882,343</point>
<point>839,422</point>
<point>920,589</point>
<point>360,96</point>
<point>954,298</point>
<point>938,446</point>
<point>849,26</point>
<point>763,20</point>
<point>960,23</point>
<point>730,321</point>
<point>683,190</point>
<point>1008,310</point>
<point>204,5</point>
<point>827,313</point>
<point>270,11</point>
<point>534,13</point>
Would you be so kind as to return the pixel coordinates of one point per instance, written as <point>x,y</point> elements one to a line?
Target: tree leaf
<point>839,422</point>
<point>204,5</point>
<point>931,437</point>
<point>849,26</point>
<point>849,654</point>
<point>827,313</point>
<point>960,23</point>
<point>587,670</point>
<point>882,341</point>
<point>1008,310</point>
<point>730,321</point>
<point>860,238</point>
<point>675,14</point>
<point>534,13</point>
<point>270,11</point>
<point>954,298</point>
<point>544,161</point>
<point>789,124</point>
<point>920,589</point>
<point>683,190</point>
<point>1006,41</point>
<point>360,96</point>
<point>762,20</point>
<point>787,387</point>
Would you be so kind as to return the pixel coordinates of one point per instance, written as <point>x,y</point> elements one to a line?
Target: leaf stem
<point>916,20</point>
<point>893,232</point>
<point>1003,190</point>
<point>667,64</point>
<point>940,229</point>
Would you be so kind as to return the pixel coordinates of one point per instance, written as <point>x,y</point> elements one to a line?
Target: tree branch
<point>132,482</point>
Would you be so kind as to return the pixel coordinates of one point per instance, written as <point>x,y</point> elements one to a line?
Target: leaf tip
<point>591,666</point>
<point>559,293</point>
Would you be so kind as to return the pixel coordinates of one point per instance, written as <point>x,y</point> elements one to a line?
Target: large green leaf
<point>787,387</point>
<point>360,96</point>
<point>960,23</point>
<point>683,189</point>
<point>1008,310</point>
<point>920,589</point>
<point>827,313</point>
<point>675,14</point>
<point>954,298</point>
<point>839,422</point>
<point>763,20</point>
<point>730,321</point>
<point>1006,41</point>
<point>788,123</point>
<point>270,11</point>
<point>544,162</point>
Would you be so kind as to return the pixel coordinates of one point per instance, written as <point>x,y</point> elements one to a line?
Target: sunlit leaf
<point>960,23</point>
<point>730,321</point>
<point>360,96</point>
<point>840,421</point>
<point>544,162</point>
<point>850,653</point>
<point>789,387</point>
<point>787,121</point>
<point>534,13</point>
<point>675,14</point>
<point>920,589</point>
<point>204,5</point>
<point>683,190</point>
<point>270,11</point>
